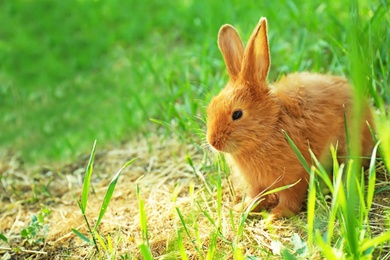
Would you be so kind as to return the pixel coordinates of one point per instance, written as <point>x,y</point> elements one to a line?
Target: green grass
<point>75,71</point>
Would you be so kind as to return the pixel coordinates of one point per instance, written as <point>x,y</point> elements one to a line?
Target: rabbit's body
<point>246,120</point>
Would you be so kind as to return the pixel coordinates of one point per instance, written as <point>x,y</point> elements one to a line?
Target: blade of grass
<point>198,239</point>
<point>362,212</point>
<point>212,246</point>
<point>4,238</point>
<point>347,138</point>
<point>207,215</point>
<point>145,252</point>
<point>144,246</point>
<point>287,255</point>
<point>188,233</point>
<point>327,250</point>
<point>311,203</point>
<point>280,188</point>
<point>231,216</point>
<point>336,165</point>
<point>218,230</point>
<point>338,197</point>
<point>371,186</point>
<point>219,197</point>
<point>321,171</point>
<point>182,250</point>
<point>348,218</point>
<point>84,198</point>
<point>110,191</point>
<point>142,215</point>
<point>373,242</point>
<point>101,242</point>
<point>257,200</point>
<point>383,128</point>
<point>109,244</point>
<point>297,152</point>
<point>87,179</point>
<point>80,235</point>
<point>238,255</point>
<point>385,188</point>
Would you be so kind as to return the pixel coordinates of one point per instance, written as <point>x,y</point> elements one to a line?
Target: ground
<point>169,182</point>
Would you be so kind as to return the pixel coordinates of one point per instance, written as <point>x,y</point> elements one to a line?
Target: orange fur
<point>309,107</point>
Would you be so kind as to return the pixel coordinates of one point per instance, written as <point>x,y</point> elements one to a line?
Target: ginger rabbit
<point>245,120</point>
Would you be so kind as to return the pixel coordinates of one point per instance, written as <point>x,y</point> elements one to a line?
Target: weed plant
<point>97,240</point>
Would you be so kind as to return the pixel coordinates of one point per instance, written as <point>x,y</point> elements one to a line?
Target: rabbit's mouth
<point>222,145</point>
<point>219,146</point>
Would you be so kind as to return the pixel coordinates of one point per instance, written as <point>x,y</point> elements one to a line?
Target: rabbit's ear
<point>232,49</point>
<point>257,61</point>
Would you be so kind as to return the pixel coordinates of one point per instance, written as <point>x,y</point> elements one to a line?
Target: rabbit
<point>245,121</point>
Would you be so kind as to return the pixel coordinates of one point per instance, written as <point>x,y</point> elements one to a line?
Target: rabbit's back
<point>315,107</point>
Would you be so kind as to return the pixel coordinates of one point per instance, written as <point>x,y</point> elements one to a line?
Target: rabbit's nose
<point>216,143</point>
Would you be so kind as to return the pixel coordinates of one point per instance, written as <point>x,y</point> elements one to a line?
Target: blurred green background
<point>78,70</point>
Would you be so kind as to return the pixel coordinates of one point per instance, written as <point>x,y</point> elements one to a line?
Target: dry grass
<point>166,182</point>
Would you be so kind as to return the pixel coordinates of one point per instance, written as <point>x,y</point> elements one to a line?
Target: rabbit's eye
<point>237,114</point>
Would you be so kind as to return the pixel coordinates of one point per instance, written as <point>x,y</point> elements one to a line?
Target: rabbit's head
<point>243,115</point>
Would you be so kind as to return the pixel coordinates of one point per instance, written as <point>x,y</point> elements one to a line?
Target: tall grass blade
<point>311,203</point>
<point>374,242</point>
<point>336,165</point>
<point>207,215</point>
<point>327,250</point>
<point>362,212</point>
<point>101,242</point>
<point>349,211</point>
<point>347,138</point>
<point>87,179</point>
<point>383,128</point>
<point>231,216</point>
<point>80,235</point>
<point>110,191</point>
<point>144,246</point>
<point>256,201</point>
<point>193,241</point>
<point>145,252</point>
<point>287,255</point>
<point>3,238</point>
<point>385,188</point>
<point>238,255</point>
<point>109,244</point>
<point>297,152</point>
<point>219,197</point>
<point>321,171</point>
<point>212,246</point>
<point>276,190</point>
<point>338,198</point>
<point>142,217</point>
<point>182,250</point>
